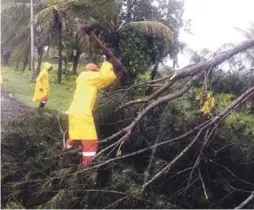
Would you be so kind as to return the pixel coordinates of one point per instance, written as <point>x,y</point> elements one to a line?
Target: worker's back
<point>87,84</point>
<point>85,93</point>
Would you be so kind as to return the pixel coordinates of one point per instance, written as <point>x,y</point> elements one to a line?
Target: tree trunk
<point>154,71</point>
<point>40,56</point>
<point>25,60</point>
<point>60,48</point>
<point>65,64</point>
<point>75,62</point>
<point>6,58</point>
<point>204,65</point>
<point>32,76</point>
<point>17,66</point>
<point>152,76</point>
<point>25,64</point>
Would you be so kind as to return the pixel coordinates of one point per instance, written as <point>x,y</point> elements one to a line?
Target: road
<point>10,107</point>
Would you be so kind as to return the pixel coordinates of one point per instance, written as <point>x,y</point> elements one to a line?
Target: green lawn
<point>18,83</point>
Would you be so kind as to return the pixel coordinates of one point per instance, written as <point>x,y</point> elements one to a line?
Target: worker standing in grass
<point>41,92</point>
<point>81,121</point>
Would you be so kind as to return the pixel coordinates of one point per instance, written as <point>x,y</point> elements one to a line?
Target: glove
<point>108,54</point>
<point>118,65</point>
<point>88,29</point>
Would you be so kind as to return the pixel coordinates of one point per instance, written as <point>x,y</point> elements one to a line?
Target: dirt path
<point>10,107</point>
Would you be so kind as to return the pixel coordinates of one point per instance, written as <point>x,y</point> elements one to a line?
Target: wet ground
<point>10,107</point>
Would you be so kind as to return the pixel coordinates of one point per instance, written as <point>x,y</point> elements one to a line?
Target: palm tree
<point>51,17</point>
<point>48,21</point>
<point>112,25</point>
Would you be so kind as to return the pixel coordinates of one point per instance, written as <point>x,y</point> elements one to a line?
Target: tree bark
<point>25,60</point>
<point>25,64</point>
<point>75,62</point>
<point>40,56</point>
<point>154,71</point>
<point>17,65</point>
<point>152,76</point>
<point>6,58</point>
<point>60,48</point>
<point>65,60</point>
<point>216,60</point>
<point>245,202</point>
<point>32,75</point>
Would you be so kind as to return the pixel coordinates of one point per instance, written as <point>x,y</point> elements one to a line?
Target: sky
<point>213,23</point>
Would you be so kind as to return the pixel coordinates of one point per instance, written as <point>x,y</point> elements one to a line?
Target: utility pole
<point>32,40</point>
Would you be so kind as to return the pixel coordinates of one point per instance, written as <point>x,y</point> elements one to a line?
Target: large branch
<point>216,60</point>
<point>147,99</point>
<point>194,69</point>
<point>245,202</point>
<point>245,96</point>
<point>151,106</point>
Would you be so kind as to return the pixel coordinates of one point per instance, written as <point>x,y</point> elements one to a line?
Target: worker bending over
<point>41,92</point>
<point>81,121</point>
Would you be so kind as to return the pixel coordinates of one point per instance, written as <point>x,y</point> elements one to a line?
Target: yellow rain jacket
<point>81,121</point>
<point>208,104</point>
<point>42,83</point>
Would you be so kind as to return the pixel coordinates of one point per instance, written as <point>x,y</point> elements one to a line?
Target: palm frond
<point>151,28</point>
<point>20,50</point>
<point>14,23</point>
<point>45,16</point>
<point>84,42</point>
<point>16,40</point>
<point>104,11</point>
<point>14,10</point>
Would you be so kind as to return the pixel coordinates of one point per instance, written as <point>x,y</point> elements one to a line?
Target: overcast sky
<point>213,23</point>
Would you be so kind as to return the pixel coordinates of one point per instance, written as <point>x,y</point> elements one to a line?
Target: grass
<point>17,83</point>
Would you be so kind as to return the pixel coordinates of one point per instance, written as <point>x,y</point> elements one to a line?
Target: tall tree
<point>47,17</point>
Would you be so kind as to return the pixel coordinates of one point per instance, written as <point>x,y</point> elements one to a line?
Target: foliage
<point>31,176</point>
<point>139,52</point>
<point>156,29</point>
<point>119,185</point>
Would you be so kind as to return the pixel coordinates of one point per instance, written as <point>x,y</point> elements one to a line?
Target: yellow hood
<point>47,66</point>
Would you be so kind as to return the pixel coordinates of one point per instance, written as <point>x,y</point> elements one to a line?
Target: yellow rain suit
<point>208,104</point>
<point>42,83</point>
<point>81,121</point>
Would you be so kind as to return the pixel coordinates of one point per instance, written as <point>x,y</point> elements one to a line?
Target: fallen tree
<point>187,160</point>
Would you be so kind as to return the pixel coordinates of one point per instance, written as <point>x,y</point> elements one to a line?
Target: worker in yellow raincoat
<point>41,92</point>
<point>81,121</point>
<point>208,104</point>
